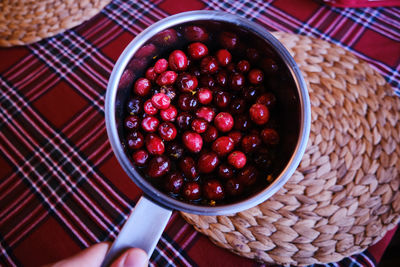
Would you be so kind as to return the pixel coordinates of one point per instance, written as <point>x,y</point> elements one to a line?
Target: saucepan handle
<point>142,230</point>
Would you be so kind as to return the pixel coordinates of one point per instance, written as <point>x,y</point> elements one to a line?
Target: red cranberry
<point>161,101</point>
<point>213,190</point>
<point>174,150</point>
<point>223,57</point>
<point>187,102</point>
<point>236,137</point>
<point>252,54</point>
<point>222,78</point>
<point>223,122</point>
<point>161,65</point>
<point>131,123</point>
<point>197,50</point>
<point>250,143</point>
<point>250,93</point>
<point>142,87</point>
<point>237,106</point>
<point>256,76</point>
<point>210,135</point>
<point>270,136</point>
<point>225,171</point>
<point>205,96</point>
<point>174,182</point>
<point>269,65</point>
<point>222,99</point>
<point>151,75</point>
<point>191,191</point>
<point>167,37</point>
<point>167,131</point>
<point>184,120</point>
<point>207,162</point>
<point>233,187</point>
<point>154,144</point>
<point>242,123</point>
<point>169,114</point>
<point>166,78</point>
<point>158,167</point>
<point>186,82</point>
<point>206,113</point>
<point>146,51</point>
<point>127,78</point>
<point>150,124</point>
<point>206,81</point>
<point>243,66</point>
<point>192,141</point>
<point>149,108</point>
<point>231,68</point>
<point>223,145</point>
<point>209,65</point>
<point>188,167</point>
<point>199,125</point>
<point>140,157</point>
<point>267,99</point>
<point>177,60</point>
<point>228,40</point>
<point>248,175</point>
<point>195,33</point>
<point>259,114</point>
<point>237,159</point>
<point>237,81</point>
<point>135,140</point>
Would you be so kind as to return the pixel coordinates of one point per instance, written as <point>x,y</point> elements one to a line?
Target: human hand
<point>94,256</point>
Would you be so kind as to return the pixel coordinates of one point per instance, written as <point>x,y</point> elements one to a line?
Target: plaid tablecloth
<point>61,187</point>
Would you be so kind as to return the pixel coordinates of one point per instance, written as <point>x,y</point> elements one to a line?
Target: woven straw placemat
<point>27,21</point>
<point>345,195</point>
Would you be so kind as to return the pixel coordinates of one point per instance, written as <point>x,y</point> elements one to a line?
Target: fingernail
<point>135,257</point>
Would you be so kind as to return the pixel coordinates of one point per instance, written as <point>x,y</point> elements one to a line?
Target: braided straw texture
<point>345,195</point>
<point>28,21</point>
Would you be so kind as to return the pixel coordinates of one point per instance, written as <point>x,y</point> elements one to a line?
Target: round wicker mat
<point>28,21</point>
<point>345,195</point>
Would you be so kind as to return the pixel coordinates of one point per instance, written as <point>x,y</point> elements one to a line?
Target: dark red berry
<point>169,114</point>
<point>243,66</point>
<point>151,75</point>
<point>166,37</point>
<point>166,78</point>
<point>224,57</point>
<point>150,124</point>
<point>242,123</point>
<point>192,141</point>
<point>224,122</point>
<point>197,50</point>
<point>237,159</point>
<point>186,82</point>
<point>168,90</point>
<point>267,99</point>
<point>149,108</point>
<point>174,150</point>
<point>250,143</point>
<point>204,95</point>
<point>167,131</point>
<point>248,175</point>
<point>184,120</point>
<point>206,81</point>
<point>161,65</point>
<point>131,123</point>
<point>140,157</point>
<point>236,137</point>
<point>199,125</point>
<point>259,114</point>
<point>206,113</point>
<point>147,50</point>
<point>158,167</point>
<point>237,81</point>
<point>127,79</point>
<point>191,191</point>
<point>228,40</point>
<point>256,76</point>
<point>222,78</point>
<point>222,99</point>
<point>223,145</point>
<point>195,33</point>
<point>250,93</point>
<point>135,140</point>
<point>210,134</point>
<point>177,60</point>
<point>269,65</point>
<point>225,171</point>
<point>187,102</point>
<point>213,190</point>
<point>161,101</point>
<point>154,144</point>
<point>174,182</point>
<point>188,167</point>
<point>209,65</point>
<point>237,106</point>
<point>270,136</point>
<point>252,54</point>
<point>233,187</point>
<point>142,87</point>
<point>207,162</point>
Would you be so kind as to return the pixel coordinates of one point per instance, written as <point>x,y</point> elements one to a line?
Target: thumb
<point>133,257</point>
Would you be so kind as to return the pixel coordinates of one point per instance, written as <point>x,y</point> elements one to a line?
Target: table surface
<point>61,187</point>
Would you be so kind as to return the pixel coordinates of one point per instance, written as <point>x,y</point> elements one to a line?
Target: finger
<point>133,257</point>
<point>92,256</point>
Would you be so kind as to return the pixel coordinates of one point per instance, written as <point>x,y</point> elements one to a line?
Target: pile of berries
<point>198,124</point>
